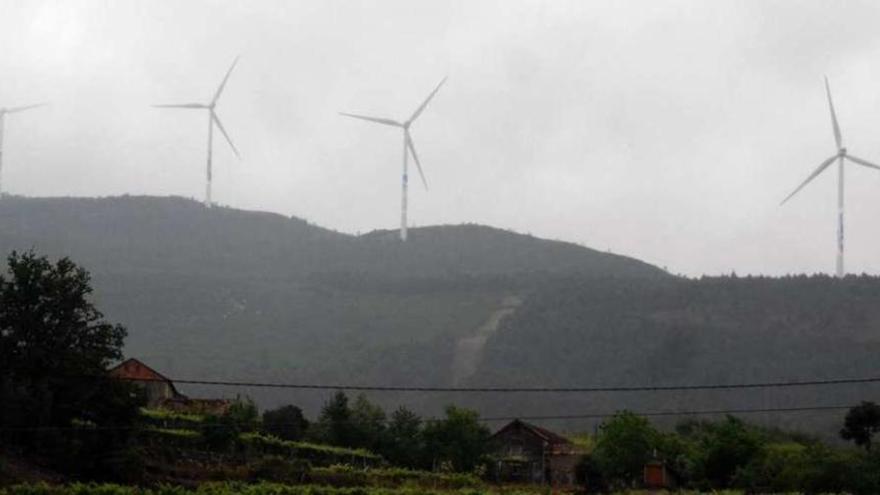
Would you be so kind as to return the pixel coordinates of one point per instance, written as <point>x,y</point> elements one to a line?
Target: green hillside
<point>228,294</point>
<point>237,295</point>
<point>690,332</point>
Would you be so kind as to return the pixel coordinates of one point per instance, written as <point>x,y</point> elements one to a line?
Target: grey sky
<point>668,131</point>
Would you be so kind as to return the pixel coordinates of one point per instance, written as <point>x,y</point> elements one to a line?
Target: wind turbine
<point>212,120</point>
<point>3,113</point>
<point>841,155</point>
<point>408,148</point>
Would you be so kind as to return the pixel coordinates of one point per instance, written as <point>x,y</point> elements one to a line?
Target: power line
<point>608,389</point>
<point>675,413</point>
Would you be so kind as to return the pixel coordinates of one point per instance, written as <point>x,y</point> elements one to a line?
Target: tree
<point>286,422</point>
<point>221,431</point>
<point>726,447</point>
<point>861,423</point>
<point>625,444</point>
<point>48,327</point>
<point>458,439</point>
<point>55,348</point>
<point>367,424</point>
<point>404,443</point>
<point>334,424</point>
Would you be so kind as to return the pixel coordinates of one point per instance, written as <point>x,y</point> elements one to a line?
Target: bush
<point>221,432</point>
<point>278,469</point>
<point>286,423</point>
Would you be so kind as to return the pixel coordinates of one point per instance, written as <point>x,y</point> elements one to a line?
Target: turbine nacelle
<point>841,152</point>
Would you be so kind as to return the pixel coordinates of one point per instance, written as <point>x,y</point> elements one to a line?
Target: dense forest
<point>235,295</point>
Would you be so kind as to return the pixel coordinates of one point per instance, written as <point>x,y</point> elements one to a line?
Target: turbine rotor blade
<point>182,105</point>
<point>223,84</point>
<point>222,130</point>
<point>26,107</point>
<point>859,161</point>
<point>412,150</point>
<point>837,138</point>
<point>424,104</point>
<point>812,176</point>
<point>378,120</point>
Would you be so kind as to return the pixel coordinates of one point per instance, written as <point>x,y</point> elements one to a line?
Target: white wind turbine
<point>212,120</point>
<point>840,156</point>
<point>408,148</point>
<point>3,113</point>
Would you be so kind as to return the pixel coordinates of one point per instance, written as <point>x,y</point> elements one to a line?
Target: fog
<point>666,131</point>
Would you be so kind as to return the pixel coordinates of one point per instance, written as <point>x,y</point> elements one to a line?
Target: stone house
<point>526,453</point>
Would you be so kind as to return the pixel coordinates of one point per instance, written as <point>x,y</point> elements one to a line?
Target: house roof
<point>542,433</point>
<point>135,370</point>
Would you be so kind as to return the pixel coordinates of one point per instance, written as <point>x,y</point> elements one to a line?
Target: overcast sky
<point>668,131</point>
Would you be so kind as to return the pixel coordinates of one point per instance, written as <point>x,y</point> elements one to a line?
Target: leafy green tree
<point>725,448</point>
<point>403,444</point>
<point>626,442</point>
<point>286,422</point>
<point>368,424</point>
<point>334,425</point>
<point>222,431</point>
<point>459,439</point>
<point>861,423</point>
<point>55,348</point>
<point>51,335</point>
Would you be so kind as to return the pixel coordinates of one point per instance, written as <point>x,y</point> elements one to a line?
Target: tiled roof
<point>543,433</point>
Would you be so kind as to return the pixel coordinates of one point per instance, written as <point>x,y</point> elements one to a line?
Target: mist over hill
<point>226,294</point>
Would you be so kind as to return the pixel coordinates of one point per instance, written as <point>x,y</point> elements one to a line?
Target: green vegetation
<point>164,415</point>
<point>228,294</point>
<point>457,442</point>
<point>861,423</point>
<point>232,489</point>
<point>714,330</point>
<point>54,347</point>
<point>273,445</point>
<point>286,422</point>
<point>727,454</point>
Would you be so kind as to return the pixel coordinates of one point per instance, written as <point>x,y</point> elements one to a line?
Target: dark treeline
<point>457,442</point>
<point>732,454</point>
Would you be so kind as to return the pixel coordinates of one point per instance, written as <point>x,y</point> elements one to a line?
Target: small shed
<point>158,388</point>
<point>658,476</point>
<point>528,453</point>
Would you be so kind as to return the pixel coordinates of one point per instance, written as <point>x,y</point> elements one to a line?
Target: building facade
<point>157,387</point>
<point>526,453</point>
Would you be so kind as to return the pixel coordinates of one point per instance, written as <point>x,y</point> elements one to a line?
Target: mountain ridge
<point>226,294</point>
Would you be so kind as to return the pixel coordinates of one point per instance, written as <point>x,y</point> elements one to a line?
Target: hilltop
<point>154,235</point>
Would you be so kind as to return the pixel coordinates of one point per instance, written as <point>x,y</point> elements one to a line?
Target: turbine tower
<point>3,113</point>
<point>212,120</point>
<point>841,155</point>
<point>408,148</point>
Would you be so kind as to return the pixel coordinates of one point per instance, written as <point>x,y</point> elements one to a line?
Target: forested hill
<point>154,235</point>
<point>673,331</point>
<point>227,294</point>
